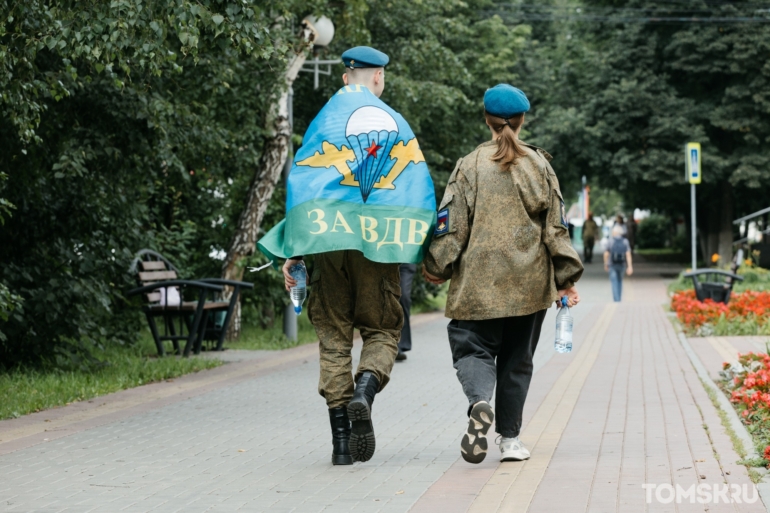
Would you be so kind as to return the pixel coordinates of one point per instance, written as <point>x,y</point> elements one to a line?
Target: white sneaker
<point>512,449</point>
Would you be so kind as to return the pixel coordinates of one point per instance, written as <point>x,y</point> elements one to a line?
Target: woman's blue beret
<point>505,101</point>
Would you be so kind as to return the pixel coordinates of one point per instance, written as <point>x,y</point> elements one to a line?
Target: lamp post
<point>324,33</point>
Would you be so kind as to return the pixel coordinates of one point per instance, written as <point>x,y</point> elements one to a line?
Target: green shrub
<point>653,232</point>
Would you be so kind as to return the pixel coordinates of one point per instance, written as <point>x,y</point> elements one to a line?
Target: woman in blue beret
<point>502,240</point>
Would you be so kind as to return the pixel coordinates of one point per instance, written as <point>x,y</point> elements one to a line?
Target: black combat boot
<point>340,436</point>
<point>360,413</point>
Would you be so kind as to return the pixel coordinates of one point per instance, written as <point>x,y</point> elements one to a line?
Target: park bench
<point>164,297</point>
<point>716,284</point>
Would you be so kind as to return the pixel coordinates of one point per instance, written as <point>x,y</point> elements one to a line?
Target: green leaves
<point>125,35</point>
<point>121,133</point>
<point>617,102</point>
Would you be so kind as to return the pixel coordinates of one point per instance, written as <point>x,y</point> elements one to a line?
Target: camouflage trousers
<point>347,292</point>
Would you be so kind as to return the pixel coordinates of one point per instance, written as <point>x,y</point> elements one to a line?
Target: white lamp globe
<point>324,30</point>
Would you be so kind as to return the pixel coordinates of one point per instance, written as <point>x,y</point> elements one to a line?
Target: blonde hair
<point>362,75</point>
<point>508,146</point>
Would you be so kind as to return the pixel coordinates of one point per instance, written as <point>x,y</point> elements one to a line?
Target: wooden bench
<point>164,293</point>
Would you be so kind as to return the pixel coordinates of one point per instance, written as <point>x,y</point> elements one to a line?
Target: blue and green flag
<point>358,182</point>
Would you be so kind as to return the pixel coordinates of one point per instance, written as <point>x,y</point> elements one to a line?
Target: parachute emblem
<point>371,133</point>
<point>370,158</point>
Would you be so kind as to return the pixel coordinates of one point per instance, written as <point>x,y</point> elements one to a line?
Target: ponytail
<point>508,146</point>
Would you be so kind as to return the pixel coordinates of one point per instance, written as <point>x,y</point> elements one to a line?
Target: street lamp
<point>324,33</point>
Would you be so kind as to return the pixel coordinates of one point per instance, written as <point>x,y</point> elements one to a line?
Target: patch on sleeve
<point>442,222</point>
<point>563,216</point>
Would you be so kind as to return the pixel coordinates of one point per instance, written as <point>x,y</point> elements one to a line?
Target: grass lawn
<point>663,255</point>
<point>254,337</point>
<point>658,251</point>
<point>28,390</point>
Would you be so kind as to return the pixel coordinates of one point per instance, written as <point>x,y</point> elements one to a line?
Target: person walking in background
<point>617,260</point>
<point>590,231</point>
<point>407,277</point>
<point>502,238</point>
<point>619,221</point>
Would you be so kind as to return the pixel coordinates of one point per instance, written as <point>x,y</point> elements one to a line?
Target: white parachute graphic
<point>371,133</point>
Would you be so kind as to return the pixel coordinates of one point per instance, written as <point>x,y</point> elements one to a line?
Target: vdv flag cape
<point>358,182</point>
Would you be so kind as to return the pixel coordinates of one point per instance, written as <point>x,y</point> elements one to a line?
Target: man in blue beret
<point>349,290</point>
<point>366,66</point>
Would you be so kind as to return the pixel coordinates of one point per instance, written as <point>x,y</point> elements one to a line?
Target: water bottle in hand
<point>563,342</point>
<point>298,293</point>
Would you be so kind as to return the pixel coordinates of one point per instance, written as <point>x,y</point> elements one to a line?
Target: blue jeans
<point>616,278</point>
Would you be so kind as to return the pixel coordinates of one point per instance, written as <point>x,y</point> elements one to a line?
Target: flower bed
<point>747,313</point>
<point>749,389</point>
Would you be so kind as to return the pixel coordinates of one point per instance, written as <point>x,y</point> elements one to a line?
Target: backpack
<point>618,251</point>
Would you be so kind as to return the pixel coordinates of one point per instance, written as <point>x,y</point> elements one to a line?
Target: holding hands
<point>432,279</point>
<point>573,297</point>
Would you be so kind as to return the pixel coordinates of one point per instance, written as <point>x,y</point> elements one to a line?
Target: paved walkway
<point>625,408</point>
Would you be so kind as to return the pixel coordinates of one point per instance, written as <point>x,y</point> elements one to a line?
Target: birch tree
<point>266,176</point>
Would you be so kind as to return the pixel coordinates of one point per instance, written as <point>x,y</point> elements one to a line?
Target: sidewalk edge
<point>735,423</point>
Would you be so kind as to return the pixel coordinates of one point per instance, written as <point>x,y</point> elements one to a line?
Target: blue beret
<point>364,57</point>
<point>505,101</point>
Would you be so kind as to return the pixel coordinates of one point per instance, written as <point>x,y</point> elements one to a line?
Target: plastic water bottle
<point>298,293</point>
<point>563,342</point>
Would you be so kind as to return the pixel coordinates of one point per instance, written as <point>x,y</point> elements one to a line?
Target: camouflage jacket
<point>501,237</point>
<point>590,229</point>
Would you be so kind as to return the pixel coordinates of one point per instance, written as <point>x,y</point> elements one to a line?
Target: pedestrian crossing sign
<point>692,163</point>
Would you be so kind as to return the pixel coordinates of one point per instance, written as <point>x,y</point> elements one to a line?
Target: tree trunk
<point>726,225</point>
<point>262,185</point>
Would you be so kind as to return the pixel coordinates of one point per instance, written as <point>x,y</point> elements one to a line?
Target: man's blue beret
<point>505,101</point>
<point>364,57</point>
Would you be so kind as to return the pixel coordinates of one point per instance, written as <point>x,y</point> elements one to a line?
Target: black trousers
<point>407,277</point>
<point>497,352</point>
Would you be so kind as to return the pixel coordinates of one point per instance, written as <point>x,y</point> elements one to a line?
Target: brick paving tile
<point>253,435</point>
<point>641,418</point>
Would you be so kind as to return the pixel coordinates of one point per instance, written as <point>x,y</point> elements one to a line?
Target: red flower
<point>694,313</point>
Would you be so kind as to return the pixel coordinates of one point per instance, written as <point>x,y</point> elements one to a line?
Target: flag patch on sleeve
<point>563,216</point>
<point>442,222</point>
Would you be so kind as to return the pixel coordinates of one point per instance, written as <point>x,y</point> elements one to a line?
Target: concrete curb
<point>735,422</point>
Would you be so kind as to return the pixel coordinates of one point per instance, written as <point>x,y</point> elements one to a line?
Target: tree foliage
<point>129,124</point>
<point>125,125</point>
<point>619,86</point>
<point>626,96</point>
